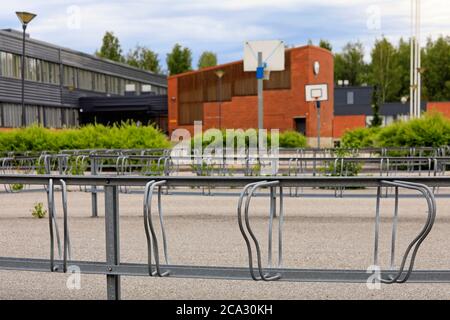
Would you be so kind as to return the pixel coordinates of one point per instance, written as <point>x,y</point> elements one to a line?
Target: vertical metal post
<point>419,62</point>
<point>318,124</point>
<point>24,116</point>
<point>377,227</point>
<point>260,95</point>
<point>112,240</point>
<point>412,73</point>
<point>220,103</point>
<point>94,189</point>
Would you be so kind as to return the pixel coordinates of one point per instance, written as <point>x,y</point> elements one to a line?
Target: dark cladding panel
<point>95,64</point>
<point>12,42</point>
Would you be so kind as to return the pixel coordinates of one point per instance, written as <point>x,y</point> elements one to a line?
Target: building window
<point>85,79</point>
<point>350,97</point>
<point>99,82</point>
<point>10,65</point>
<point>50,72</point>
<point>31,69</point>
<point>70,77</point>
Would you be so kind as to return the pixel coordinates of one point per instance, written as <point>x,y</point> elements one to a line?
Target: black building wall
<point>57,98</point>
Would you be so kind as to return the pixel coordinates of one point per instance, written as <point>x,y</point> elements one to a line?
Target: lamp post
<point>25,18</point>
<point>220,74</point>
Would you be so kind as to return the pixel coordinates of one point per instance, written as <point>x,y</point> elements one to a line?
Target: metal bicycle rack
<point>113,269</point>
<point>53,227</point>
<point>418,240</point>
<point>152,239</point>
<point>247,231</point>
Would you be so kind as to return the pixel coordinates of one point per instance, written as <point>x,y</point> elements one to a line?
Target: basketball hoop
<point>316,92</point>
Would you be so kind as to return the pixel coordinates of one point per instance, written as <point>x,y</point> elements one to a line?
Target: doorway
<point>300,125</point>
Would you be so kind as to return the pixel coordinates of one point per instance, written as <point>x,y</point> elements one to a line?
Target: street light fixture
<point>25,18</point>
<point>220,74</point>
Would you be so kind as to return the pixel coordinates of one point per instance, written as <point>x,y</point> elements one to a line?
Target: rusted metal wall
<point>204,86</point>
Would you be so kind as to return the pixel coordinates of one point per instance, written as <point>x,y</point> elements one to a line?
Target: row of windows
<point>48,72</point>
<point>36,69</point>
<point>11,116</point>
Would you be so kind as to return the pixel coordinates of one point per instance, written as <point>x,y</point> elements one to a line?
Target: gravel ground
<point>320,232</point>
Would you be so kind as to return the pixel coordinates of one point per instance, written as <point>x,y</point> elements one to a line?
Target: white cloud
<point>221,26</point>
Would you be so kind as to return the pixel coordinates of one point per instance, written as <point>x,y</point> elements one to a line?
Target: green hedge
<point>123,136</point>
<point>432,130</point>
<point>287,139</point>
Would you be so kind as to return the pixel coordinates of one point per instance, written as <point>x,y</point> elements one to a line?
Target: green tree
<point>385,71</point>
<point>110,48</point>
<point>350,65</point>
<point>207,59</point>
<point>144,58</point>
<point>436,75</point>
<point>325,44</point>
<point>179,60</point>
<point>404,64</point>
<point>376,120</point>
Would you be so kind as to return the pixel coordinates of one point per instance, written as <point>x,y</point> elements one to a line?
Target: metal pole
<point>94,189</point>
<point>112,241</point>
<point>220,103</point>
<point>260,95</point>
<point>412,44</point>
<point>419,63</point>
<point>24,116</point>
<point>318,124</point>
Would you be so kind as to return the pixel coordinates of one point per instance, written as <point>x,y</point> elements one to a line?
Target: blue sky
<point>222,26</point>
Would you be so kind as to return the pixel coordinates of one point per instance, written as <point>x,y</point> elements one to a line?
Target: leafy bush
<point>94,136</point>
<point>360,138</point>
<point>287,139</point>
<point>432,130</point>
<point>39,211</point>
<point>17,187</point>
<point>292,139</point>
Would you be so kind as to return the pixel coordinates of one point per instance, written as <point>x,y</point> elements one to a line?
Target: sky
<point>222,26</point>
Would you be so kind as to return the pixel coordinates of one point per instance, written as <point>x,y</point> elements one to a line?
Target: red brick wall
<point>344,123</point>
<point>442,107</point>
<point>280,106</point>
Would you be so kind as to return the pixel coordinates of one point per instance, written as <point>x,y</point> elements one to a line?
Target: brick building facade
<point>231,102</point>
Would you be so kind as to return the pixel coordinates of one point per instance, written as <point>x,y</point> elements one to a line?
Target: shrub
<point>360,138</point>
<point>287,139</point>
<point>292,139</point>
<point>432,130</point>
<point>39,211</point>
<point>17,187</point>
<point>93,136</point>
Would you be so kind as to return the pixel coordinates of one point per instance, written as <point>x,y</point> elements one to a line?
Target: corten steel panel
<point>281,106</point>
<point>442,107</point>
<point>203,86</point>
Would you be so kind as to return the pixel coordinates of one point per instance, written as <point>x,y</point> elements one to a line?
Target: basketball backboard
<point>272,55</point>
<point>316,92</point>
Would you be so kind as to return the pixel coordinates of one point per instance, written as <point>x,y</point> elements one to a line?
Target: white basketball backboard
<point>272,55</point>
<point>316,92</point>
